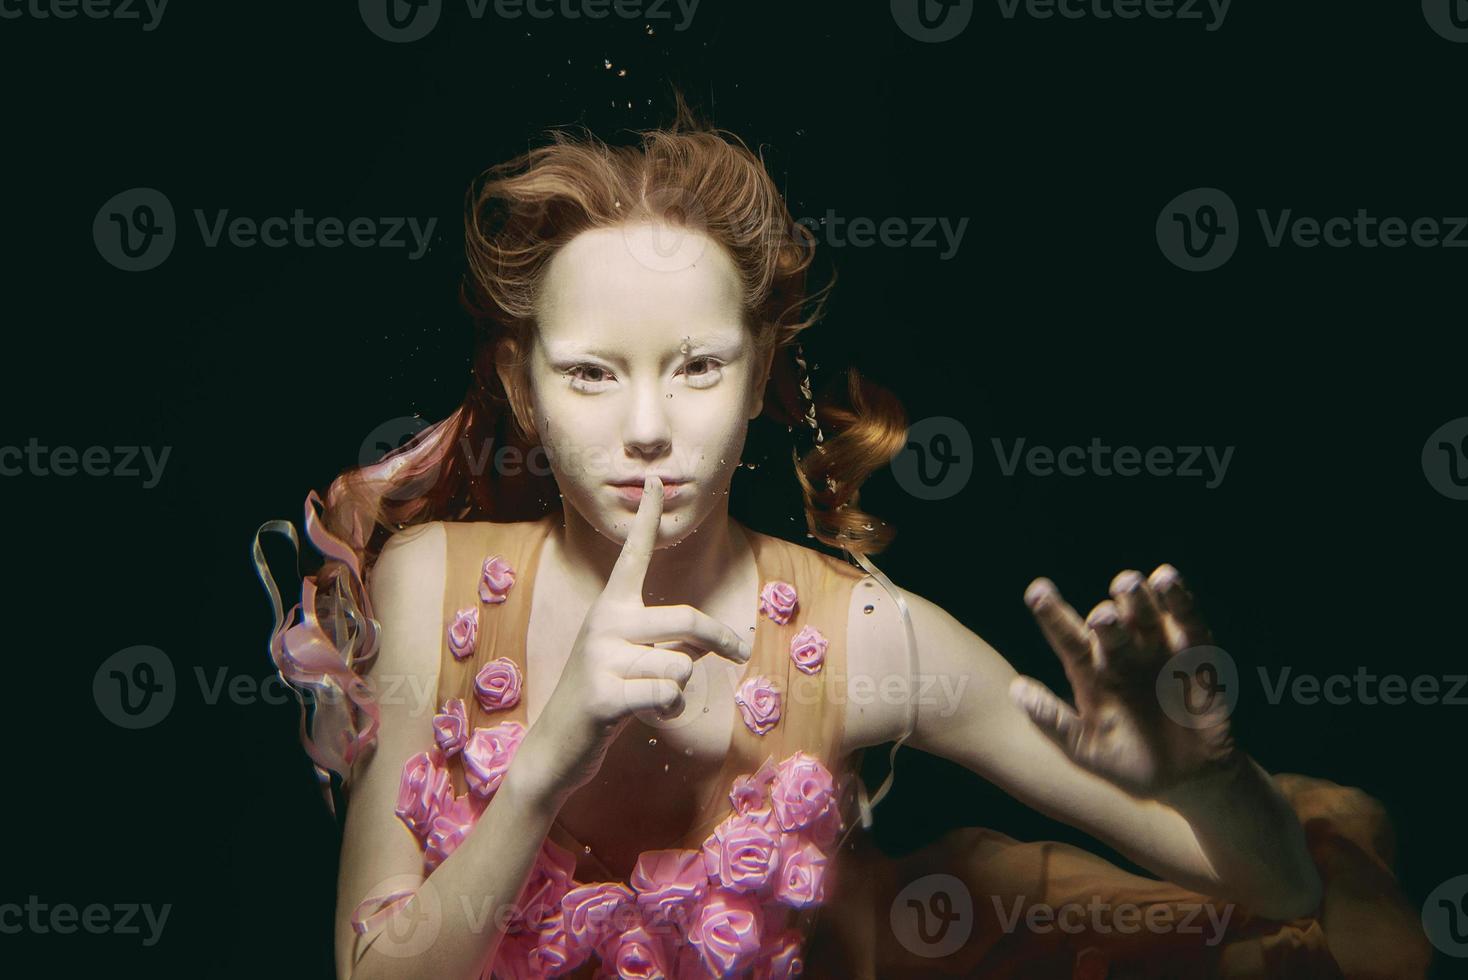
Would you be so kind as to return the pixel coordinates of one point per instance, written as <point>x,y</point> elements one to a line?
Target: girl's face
<point>643,367</point>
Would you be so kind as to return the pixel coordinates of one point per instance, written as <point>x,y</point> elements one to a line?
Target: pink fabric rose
<point>640,955</point>
<point>464,632</point>
<point>595,912</point>
<point>726,932</point>
<point>495,579</point>
<point>802,876</point>
<point>555,955</point>
<point>451,726</point>
<point>778,600</point>
<point>669,884</point>
<point>808,649</point>
<point>753,792</point>
<point>759,703</point>
<point>450,826</point>
<point>782,957</point>
<point>497,685</point>
<point>743,852</point>
<point>488,753</point>
<point>803,792</point>
<point>424,789</point>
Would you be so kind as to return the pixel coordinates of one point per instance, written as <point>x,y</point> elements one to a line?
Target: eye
<point>702,372</point>
<point>591,377</point>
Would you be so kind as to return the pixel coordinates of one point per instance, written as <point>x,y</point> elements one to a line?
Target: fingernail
<point>1039,590</point>
<point>1165,578</point>
<point>1128,581</point>
<point>1105,616</point>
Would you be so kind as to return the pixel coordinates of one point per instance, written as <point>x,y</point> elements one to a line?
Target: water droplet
<point>688,751</point>
<point>652,741</point>
<point>585,848</point>
<point>665,767</point>
<point>621,73</point>
<point>868,609</point>
<point>705,709</point>
<point>607,62</point>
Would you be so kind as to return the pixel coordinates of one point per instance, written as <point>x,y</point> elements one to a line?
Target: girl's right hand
<point>614,671</point>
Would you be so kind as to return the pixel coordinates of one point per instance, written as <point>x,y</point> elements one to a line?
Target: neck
<point>689,572</point>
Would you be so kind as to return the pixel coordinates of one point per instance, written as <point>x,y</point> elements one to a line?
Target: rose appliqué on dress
<point>488,753</point>
<point>497,685</point>
<point>778,601</point>
<point>495,579</point>
<point>464,632</point>
<point>759,703</point>
<point>451,727</point>
<point>808,649</point>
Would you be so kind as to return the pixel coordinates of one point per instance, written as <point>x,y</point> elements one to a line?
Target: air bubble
<point>585,848</point>
<point>652,741</point>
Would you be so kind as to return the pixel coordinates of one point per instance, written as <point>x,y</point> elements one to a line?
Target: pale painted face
<point>643,367</point>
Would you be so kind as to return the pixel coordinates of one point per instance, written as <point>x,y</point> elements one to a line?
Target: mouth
<point>633,491</point>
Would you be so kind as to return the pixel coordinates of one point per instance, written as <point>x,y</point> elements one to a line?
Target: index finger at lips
<point>642,538</point>
<point>693,626</point>
<point>1063,629</point>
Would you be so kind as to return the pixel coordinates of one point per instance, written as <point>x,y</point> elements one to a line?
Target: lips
<point>632,492</point>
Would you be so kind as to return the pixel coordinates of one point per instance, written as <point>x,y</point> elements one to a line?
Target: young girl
<point>685,700</point>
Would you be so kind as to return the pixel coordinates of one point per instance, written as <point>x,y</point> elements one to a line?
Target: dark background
<point>1059,320</point>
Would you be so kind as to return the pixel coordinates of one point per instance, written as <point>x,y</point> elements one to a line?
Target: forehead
<point>639,284</point>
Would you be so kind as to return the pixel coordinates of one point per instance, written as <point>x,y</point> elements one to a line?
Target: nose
<point>646,430</point>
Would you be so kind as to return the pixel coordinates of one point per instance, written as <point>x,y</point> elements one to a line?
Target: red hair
<point>517,215</point>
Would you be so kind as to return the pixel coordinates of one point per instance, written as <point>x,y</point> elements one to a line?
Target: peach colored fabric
<point>1364,928</point>
<point>812,714</point>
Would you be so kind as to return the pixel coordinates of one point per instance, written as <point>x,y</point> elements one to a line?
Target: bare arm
<point>1229,834</point>
<point>451,929</point>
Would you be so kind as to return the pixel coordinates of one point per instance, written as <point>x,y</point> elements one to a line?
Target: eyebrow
<point>722,344</point>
